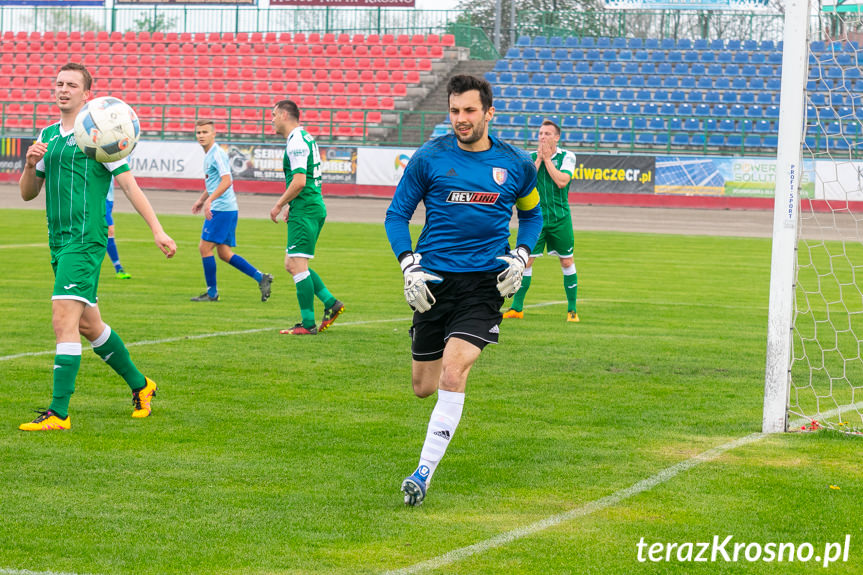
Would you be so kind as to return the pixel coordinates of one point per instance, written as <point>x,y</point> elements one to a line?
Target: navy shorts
<point>222,229</point>
<point>109,212</point>
<point>467,307</point>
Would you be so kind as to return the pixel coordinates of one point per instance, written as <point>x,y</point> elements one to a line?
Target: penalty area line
<point>229,333</point>
<point>593,506</point>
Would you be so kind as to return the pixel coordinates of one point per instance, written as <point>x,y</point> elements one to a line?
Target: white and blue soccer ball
<point>107,129</point>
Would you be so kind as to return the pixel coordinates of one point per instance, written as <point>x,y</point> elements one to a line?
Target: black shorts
<point>467,307</point>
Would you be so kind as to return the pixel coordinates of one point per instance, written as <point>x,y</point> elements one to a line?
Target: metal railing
<point>389,129</point>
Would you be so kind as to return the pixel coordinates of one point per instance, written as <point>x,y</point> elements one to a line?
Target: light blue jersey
<point>215,166</point>
<point>110,197</point>
<point>468,197</point>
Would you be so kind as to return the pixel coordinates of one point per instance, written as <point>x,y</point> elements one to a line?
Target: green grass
<point>267,454</point>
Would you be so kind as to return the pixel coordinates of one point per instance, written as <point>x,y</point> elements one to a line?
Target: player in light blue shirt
<point>469,182</point>
<point>120,273</point>
<point>219,205</point>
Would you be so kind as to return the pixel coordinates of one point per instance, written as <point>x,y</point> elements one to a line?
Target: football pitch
<point>581,446</point>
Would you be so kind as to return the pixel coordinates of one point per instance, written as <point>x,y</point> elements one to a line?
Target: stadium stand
<point>683,94</point>
<point>347,82</point>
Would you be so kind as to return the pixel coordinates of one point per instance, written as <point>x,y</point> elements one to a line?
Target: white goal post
<point>786,212</point>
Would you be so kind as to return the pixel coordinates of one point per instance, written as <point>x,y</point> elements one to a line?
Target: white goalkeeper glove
<point>417,293</point>
<point>509,280</point>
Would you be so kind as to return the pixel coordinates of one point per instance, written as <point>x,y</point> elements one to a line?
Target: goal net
<point>824,357</point>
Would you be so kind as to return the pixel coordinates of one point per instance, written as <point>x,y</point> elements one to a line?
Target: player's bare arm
<point>31,184</point>
<point>297,184</point>
<point>199,203</point>
<point>139,201</point>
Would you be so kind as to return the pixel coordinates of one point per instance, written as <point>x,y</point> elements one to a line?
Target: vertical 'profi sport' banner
<point>613,174</point>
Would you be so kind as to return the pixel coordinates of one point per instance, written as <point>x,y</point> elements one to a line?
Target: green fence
<point>392,128</point>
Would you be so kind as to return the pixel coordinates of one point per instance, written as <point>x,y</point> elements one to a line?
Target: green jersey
<point>75,190</point>
<point>554,200</point>
<point>303,157</point>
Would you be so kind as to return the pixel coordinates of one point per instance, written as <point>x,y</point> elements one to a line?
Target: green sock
<point>518,299</point>
<point>65,371</point>
<point>321,290</point>
<point>570,285</point>
<point>306,299</point>
<point>114,353</point>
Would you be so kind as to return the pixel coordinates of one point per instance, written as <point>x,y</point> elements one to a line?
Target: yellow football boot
<point>572,316</point>
<point>512,314</point>
<point>141,399</point>
<point>47,421</point>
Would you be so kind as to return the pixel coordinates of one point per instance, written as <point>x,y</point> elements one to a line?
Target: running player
<point>463,268</point>
<point>305,216</point>
<point>76,187</point>
<point>119,272</point>
<point>219,205</point>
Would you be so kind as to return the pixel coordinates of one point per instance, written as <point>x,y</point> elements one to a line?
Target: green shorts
<point>303,232</point>
<point>557,237</point>
<point>76,272</point>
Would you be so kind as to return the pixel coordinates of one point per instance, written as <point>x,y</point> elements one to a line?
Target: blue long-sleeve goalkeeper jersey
<point>468,199</point>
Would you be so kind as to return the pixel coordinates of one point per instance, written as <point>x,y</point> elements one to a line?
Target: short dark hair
<point>464,83</point>
<point>205,122</point>
<point>550,123</point>
<point>290,107</point>
<point>76,67</point>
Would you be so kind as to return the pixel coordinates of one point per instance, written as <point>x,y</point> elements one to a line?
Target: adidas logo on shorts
<point>494,329</point>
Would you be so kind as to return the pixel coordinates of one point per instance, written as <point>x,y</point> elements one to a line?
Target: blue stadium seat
<point>660,96</point>
<point>572,42</point>
<point>766,98</point>
<point>565,67</point>
<point>741,57</point>
<point>715,70</point>
<point>767,71</point>
<point>533,66</point>
<point>582,107</point>
<point>531,106</point>
<point>748,70</point>
<point>548,106</point>
<point>528,53</point>
<point>592,94</point>
<point>510,91</point>
<point>680,139</point>
<point>674,124</point>
<point>603,80</point>
<point>571,79</point>
<point>618,43</point>
<point>582,67</point>
<point>544,54</point>
<point>569,122</point>
<point>771,112</point>
<point>589,138</point>
<point>599,108</point>
<point>636,81</point>
<point>697,69</point>
<point>650,109</point>
<point>739,83</point>
<point>711,97</point>
<point>697,140</point>
<point>661,139</point>
<point>681,69</point>
<point>699,44</point>
<point>523,41</point>
<point>702,110</point>
<point>667,109</point>
<point>554,79</point>
<point>734,141</point>
<point>640,56</point>
<point>757,84</point>
<point>535,120</point>
<point>651,44</point>
<point>674,56</point>
<point>732,45</point>
<point>561,54</point>
<point>758,58</point>
<point>610,138</point>
<point>603,42</point>
<point>517,66</point>
<point>576,94</point>
<point>610,96</point>
<point>560,93</point>
<point>576,55</point>
<point>752,141</point>
<point>648,69</point>
<point>707,57</point>
<point>587,122</point>
<point>657,56</point>
<point>492,77</point>
<point>767,45</point>
<point>709,124</point>
<point>684,109</point>
<point>515,106</point>
<point>632,108</point>
<point>746,97</point>
<point>724,57</point>
<point>770,141</point>
<point>614,68</point>
<point>555,41</point>
<point>717,44</point>
<point>677,96</point>
<point>695,96</point>
<point>587,80</point>
<point>538,78</point>
<point>526,92</point>
<point>667,43</point>
<point>737,111</point>
<point>549,66</point>
<point>631,69</point>
<point>626,95</point>
<point>501,105</point>
<point>774,58</point>
<point>639,123</point>
<point>513,53</point>
<point>635,43</point>
<point>587,42</point>
<point>609,55</point>
<point>726,125</point>
<point>621,123</point>
<point>645,138</point>
<point>754,111</point>
<point>522,78</point>
<point>565,107</point>
<point>732,70</point>
<point>592,54</point>
<point>501,66</point>
<point>670,82</point>
<point>654,81</point>
<point>539,41</point>
<point>691,56</point>
<point>762,127</point>
<point>729,97</point>
<point>716,140</point>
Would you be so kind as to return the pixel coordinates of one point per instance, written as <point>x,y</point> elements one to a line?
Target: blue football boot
<point>414,486</point>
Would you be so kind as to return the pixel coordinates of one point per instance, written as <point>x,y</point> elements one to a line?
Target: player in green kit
<point>305,216</point>
<point>554,172</point>
<point>76,187</point>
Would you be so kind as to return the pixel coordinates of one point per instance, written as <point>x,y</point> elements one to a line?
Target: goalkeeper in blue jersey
<point>462,268</point>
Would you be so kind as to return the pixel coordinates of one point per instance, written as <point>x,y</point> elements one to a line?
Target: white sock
<point>568,270</point>
<point>444,420</point>
<point>528,272</point>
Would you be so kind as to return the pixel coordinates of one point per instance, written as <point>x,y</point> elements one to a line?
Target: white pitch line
<point>592,506</point>
<point>227,333</point>
<point>28,572</point>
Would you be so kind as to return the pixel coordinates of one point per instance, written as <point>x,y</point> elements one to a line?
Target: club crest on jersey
<point>70,141</point>
<point>499,175</point>
<point>461,197</point>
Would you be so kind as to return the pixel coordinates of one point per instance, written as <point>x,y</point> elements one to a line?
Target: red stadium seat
<point>371,102</point>
<point>358,39</point>
<point>270,37</point>
<point>373,39</point>
<point>336,75</point>
<point>388,39</point>
<point>338,88</point>
<point>285,37</point>
<point>307,75</point>
<point>447,40</point>
<point>436,51</point>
